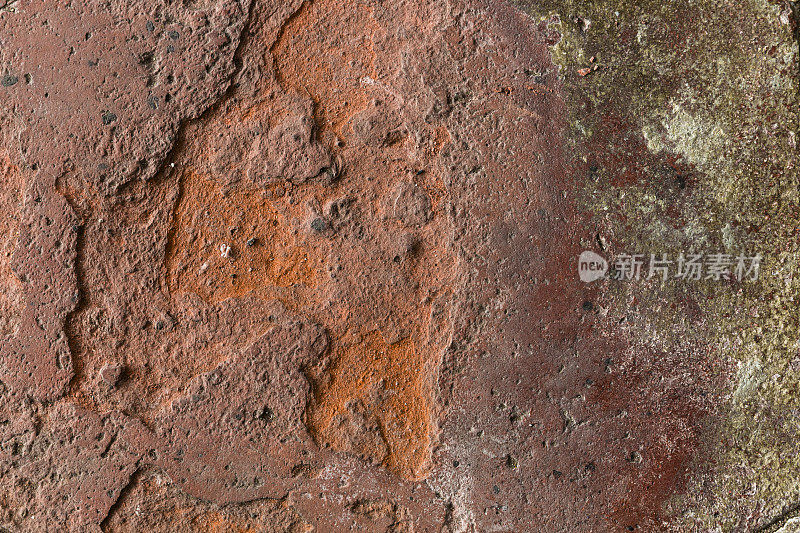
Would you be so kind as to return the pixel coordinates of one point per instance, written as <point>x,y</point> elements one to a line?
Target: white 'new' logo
<point>591,267</point>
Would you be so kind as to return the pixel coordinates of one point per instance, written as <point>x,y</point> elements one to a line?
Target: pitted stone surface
<point>310,266</point>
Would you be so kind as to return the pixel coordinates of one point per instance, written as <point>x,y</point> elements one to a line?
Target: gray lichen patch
<point>686,115</point>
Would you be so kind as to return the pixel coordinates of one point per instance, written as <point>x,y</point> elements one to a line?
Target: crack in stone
<point>178,144</point>
<point>120,498</point>
<point>180,141</point>
<point>83,301</point>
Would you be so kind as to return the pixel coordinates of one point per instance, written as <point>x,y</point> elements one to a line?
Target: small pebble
<point>111,373</point>
<point>224,250</point>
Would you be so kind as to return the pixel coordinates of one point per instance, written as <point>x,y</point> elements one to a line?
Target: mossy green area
<point>697,101</point>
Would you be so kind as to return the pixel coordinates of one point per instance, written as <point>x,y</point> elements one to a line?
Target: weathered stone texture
<point>311,265</point>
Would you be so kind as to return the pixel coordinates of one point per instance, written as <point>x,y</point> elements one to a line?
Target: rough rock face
<point>311,266</point>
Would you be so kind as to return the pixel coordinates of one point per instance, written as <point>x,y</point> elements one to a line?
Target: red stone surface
<point>294,266</point>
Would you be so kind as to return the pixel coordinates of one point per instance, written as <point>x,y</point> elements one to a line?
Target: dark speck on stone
<point>108,118</point>
<point>174,35</point>
<point>319,225</point>
<point>266,414</point>
<point>587,305</point>
<point>150,26</point>
<point>170,49</point>
<point>252,242</point>
<point>9,80</point>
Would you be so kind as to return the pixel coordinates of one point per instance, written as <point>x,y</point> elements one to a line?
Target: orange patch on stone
<point>376,399</point>
<point>331,70</point>
<point>214,522</point>
<point>395,386</point>
<point>225,246</point>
